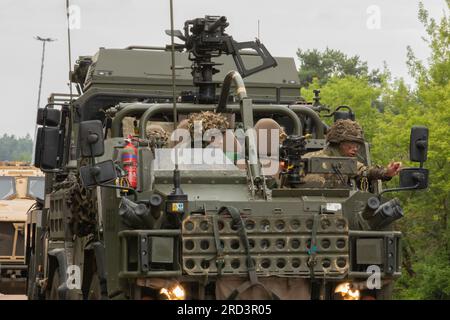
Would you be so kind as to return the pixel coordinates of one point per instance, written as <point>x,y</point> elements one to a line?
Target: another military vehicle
<point>20,185</point>
<point>127,217</point>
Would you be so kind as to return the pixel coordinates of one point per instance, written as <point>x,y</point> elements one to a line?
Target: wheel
<point>52,294</point>
<point>94,288</point>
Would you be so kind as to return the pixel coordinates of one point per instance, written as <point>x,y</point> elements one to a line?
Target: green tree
<point>331,63</point>
<point>386,111</point>
<point>358,93</point>
<point>13,148</point>
<point>426,226</point>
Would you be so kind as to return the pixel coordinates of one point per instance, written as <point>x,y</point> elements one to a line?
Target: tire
<point>94,292</point>
<point>53,294</point>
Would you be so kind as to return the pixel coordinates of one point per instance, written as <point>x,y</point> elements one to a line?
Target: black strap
<point>219,257</point>
<point>312,252</point>
<point>253,279</point>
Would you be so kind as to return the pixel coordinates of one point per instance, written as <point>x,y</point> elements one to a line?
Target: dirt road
<point>12,297</point>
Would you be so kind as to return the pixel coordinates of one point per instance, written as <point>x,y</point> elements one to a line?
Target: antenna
<point>69,48</point>
<point>66,247</point>
<point>174,97</point>
<point>258,31</point>
<point>177,197</point>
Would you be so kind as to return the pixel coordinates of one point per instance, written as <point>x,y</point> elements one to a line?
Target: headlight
<point>174,293</point>
<point>345,292</point>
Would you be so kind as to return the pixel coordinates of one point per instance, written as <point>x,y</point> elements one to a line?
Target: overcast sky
<point>376,30</point>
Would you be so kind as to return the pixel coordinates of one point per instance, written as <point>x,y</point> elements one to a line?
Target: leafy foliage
<point>386,111</point>
<point>331,63</point>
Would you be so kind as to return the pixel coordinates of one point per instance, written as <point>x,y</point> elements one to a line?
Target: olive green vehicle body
<point>118,262</point>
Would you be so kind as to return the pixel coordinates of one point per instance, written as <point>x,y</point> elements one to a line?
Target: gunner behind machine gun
<point>343,140</point>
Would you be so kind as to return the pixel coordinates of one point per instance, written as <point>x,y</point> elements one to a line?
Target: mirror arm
<point>110,185</point>
<point>118,188</point>
<point>92,157</point>
<point>398,189</point>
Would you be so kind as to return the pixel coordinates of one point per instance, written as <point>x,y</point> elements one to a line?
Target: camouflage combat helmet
<point>209,119</point>
<point>345,130</point>
<point>157,135</point>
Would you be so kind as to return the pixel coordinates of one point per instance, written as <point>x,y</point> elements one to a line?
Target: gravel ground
<point>12,297</point>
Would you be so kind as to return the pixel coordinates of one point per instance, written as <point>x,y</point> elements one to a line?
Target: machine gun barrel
<point>220,22</point>
<point>205,38</point>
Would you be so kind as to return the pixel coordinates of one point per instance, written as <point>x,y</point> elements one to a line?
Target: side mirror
<point>48,117</point>
<point>47,153</point>
<point>91,138</point>
<point>418,145</point>
<point>99,173</point>
<point>414,178</point>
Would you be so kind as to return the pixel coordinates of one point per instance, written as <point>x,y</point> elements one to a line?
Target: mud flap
<point>99,251</point>
<point>60,256</point>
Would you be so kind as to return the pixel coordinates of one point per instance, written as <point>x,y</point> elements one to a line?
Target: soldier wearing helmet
<point>344,139</point>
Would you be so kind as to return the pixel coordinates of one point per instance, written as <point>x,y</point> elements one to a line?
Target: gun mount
<point>291,152</point>
<point>204,39</point>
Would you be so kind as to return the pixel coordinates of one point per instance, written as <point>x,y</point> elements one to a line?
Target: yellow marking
<point>241,90</point>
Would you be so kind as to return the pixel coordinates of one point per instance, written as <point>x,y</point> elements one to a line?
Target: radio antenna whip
<point>174,96</point>
<point>176,172</point>
<point>69,47</point>
<point>259,37</point>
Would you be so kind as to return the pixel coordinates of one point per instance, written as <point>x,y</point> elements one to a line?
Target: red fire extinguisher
<point>129,161</point>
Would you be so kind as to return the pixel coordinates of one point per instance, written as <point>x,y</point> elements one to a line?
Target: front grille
<point>279,246</point>
<point>11,241</point>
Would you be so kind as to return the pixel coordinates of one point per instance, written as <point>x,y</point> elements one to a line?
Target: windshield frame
<point>12,181</point>
<point>35,179</point>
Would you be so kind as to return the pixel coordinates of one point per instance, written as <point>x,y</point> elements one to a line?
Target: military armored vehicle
<point>129,215</point>
<point>20,185</point>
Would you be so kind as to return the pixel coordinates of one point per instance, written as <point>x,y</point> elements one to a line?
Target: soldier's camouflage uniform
<point>332,180</point>
<point>157,135</point>
<point>341,131</point>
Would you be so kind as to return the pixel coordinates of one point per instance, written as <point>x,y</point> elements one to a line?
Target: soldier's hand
<point>393,169</point>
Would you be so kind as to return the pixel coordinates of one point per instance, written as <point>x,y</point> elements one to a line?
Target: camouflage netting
<point>157,134</point>
<point>209,119</point>
<point>345,130</point>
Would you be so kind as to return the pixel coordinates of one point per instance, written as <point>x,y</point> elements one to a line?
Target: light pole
<point>44,41</point>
